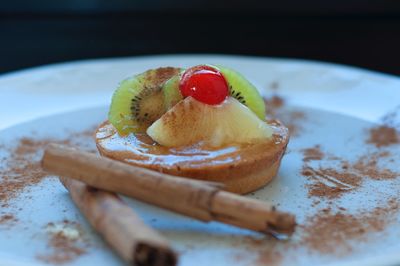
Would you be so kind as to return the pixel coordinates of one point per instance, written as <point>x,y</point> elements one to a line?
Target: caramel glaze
<point>243,168</point>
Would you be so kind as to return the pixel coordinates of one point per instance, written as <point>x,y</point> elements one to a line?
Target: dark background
<point>361,33</point>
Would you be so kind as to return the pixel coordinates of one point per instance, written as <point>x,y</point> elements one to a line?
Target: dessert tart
<point>206,122</point>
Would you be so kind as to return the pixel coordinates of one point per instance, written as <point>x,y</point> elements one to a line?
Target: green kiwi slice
<point>245,92</point>
<point>172,94</point>
<point>139,100</point>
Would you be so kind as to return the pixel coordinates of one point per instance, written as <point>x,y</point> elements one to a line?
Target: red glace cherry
<point>205,84</point>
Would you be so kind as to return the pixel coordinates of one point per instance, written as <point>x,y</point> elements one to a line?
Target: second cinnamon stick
<point>134,241</point>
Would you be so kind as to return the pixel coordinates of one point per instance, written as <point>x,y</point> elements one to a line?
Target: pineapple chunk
<point>190,122</point>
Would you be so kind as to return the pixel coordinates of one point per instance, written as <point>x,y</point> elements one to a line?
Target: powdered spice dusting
<point>293,120</point>
<point>290,118</point>
<point>367,166</point>
<point>388,132</point>
<point>7,219</point>
<point>274,102</point>
<point>162,74</point>
<point>330,183</point>
<point>313,153</point>
<point>268,250</point>
<point>383,136</point>
<point>65,241</point>
<point>269,257</point>
<point>333,182</point>
<point>21,168</point>
<point>329,232</point>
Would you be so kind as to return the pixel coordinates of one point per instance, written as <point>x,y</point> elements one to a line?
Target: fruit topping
<point>190,122</point>
<point>205,84</point>
<point>139,101</point>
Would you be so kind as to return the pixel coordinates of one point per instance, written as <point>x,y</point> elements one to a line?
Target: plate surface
<point>329,105</point>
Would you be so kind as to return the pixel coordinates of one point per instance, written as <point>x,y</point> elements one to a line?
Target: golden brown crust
<point>242,169</point>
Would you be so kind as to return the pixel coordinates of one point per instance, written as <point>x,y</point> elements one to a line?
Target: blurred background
<point>360,33</point>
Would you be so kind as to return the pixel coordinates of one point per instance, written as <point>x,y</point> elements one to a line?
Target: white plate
<point>340,103</point>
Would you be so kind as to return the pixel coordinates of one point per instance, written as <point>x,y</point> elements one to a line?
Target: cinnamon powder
<point>21,168</point>
<point>330,183</point>
<point>7,219</point>
<point>291,119</point>
<point>268,250</point>
<point>330,232</point>
<point>388,133</point>
<point>367,166</point>
<point>274,102</point>
<point>161,74</point>
<point>65,243</point>
<point>333,182</point>
<point>382,136</point>
<point>269,257</point>
<point>312,154</point>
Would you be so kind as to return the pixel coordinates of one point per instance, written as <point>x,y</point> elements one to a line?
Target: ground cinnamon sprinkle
<point>268,250</point>
<point>269,257</point>
<point>7,219</point>
<point>330,183</point>
<point>383,136</point>
<point>313,153</point>
<point>329,232</point>
<point>333,182</point>
<point>274,102</point>
<point>65,241</point>
<point>388,133</point>
<point>291,119</point>
<point>21,168</point>
<point>367,166</point>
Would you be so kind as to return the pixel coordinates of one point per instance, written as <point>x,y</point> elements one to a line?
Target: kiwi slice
<point>139,100</point>
<point>172,94</point>
<point>245,92</point>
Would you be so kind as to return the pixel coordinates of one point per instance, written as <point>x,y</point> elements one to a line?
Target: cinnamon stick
<point>133,240</point>
<point>197,199</point>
